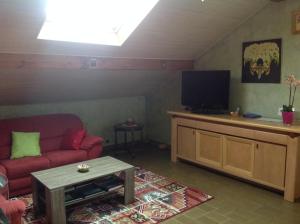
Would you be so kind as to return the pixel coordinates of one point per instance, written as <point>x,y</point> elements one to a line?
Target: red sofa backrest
<point>51,127</point>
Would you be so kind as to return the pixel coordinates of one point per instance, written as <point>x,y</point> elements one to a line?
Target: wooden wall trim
<point>35,61</point>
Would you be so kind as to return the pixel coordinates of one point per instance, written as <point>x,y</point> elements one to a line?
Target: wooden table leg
<point>55,206</point>
<point>129,186</point>
<point>116,139</point>
<point>35,200</point>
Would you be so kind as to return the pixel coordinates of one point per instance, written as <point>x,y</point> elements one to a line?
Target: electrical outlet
<point>93,63</point>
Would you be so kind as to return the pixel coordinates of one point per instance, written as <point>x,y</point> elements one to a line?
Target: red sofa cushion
<point>72,139</point>
<point>63,157</point>
<point>89,141</point>
<point>19,183</point>
<point>22,167</point>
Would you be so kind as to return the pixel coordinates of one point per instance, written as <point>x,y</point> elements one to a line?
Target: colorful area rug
<point>157,198</point>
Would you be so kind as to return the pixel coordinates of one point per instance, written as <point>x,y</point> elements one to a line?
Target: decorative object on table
<point>296,22</point>
<point>157,199</point>
<point>251,115</point>
<point>130,121</point>
<point>262,61</point>
<point>83,168</point>
<point>288,110</point>
<point>235,113</point>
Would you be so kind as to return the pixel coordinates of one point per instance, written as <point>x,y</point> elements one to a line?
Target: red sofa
<point>52,129</point>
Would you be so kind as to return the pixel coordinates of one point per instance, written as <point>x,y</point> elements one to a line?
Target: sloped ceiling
<point>175,29</point>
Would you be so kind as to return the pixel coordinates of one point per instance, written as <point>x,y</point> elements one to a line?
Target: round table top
<point>128,127</point>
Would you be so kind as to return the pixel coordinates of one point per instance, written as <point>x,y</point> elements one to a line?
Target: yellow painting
<point>296,22</point>
<point>262,61</point>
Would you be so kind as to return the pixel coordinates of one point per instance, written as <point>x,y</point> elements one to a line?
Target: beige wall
<point>100,98</point>
<point>167,96</point>
<point>98,115</point>
<point>272,22</point>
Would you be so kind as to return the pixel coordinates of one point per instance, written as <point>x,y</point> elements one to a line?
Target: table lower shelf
<point>99,188</point>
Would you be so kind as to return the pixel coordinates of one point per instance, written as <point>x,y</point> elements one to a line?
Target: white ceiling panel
<point>175,29</point>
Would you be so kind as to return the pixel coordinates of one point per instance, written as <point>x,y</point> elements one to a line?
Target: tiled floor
<point>235,202</point>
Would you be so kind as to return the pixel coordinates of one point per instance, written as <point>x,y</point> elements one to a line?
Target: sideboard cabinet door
<point>186,146</point>
<point>238,156</point>
<point>209,148</point>
<point>269,163</point>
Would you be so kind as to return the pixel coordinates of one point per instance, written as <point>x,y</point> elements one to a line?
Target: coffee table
<point>50,186</point>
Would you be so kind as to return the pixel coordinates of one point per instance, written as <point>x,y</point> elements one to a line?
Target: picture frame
<point>262,61</point>
<point>296,22</point>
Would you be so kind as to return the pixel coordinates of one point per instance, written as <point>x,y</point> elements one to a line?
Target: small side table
<point>128,128</point>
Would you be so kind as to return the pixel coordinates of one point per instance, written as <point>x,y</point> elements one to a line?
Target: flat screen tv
<point>206,91</point>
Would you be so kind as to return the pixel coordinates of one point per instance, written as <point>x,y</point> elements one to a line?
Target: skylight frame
<point>65,25</point>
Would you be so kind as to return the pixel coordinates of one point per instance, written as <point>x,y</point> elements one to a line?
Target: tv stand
<point>266,153</point>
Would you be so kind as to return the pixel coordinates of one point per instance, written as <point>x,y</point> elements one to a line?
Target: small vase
<point>287,117</point>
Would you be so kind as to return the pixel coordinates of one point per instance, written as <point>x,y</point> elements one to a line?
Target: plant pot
<point>287,117</point>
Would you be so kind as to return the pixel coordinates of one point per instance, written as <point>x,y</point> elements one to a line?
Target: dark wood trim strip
<point>35,61</point>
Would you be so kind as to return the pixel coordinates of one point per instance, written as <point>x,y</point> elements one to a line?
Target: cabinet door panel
<point>209,148</point>
<point>186,143</point>
<point>238,156</point>
<point>269,163</point>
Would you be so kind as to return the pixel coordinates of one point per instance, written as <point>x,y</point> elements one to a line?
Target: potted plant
<point>288,110</point>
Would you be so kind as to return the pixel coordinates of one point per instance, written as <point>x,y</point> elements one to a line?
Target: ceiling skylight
<point>106,22</point>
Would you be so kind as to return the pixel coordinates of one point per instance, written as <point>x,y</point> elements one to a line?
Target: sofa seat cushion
<point>63,157</point>
<point>19,183</point>
<point>22,167</point>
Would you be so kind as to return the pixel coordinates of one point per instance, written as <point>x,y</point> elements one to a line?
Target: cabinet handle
<point>257,146</point>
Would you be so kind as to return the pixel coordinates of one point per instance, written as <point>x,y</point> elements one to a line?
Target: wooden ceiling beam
<point>35,61</point>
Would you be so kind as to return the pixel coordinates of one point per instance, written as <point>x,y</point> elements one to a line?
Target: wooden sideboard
<point>263,152</point>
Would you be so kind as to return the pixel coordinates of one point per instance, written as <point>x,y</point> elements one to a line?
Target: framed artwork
<point>296,22</point>
<point>262,61</point>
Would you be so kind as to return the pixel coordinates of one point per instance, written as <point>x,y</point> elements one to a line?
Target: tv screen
<point>206,90</point>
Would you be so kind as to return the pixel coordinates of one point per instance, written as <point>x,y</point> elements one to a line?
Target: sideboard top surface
<point>240,121</point>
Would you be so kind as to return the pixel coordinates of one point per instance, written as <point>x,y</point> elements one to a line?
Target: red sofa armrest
<point>13,209</point>
<point>90,141</point>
